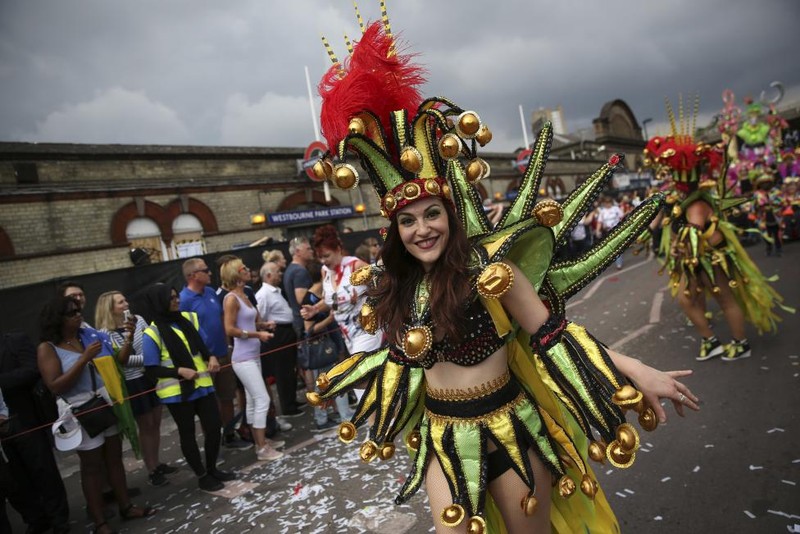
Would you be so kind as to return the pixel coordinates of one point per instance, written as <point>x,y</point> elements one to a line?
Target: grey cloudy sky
<point>231,73</point>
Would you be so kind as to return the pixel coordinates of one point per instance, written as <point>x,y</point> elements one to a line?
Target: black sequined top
<point>480,342</point>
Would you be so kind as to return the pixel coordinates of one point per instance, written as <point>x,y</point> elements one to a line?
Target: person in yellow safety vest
<point>179,363</point>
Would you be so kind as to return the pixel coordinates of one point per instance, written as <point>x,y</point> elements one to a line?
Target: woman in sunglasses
<point>65,358</point>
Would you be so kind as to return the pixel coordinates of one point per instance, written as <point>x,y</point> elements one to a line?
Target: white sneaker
<point>275,443</point>
<point>267,454</point>
<point>284,425</point>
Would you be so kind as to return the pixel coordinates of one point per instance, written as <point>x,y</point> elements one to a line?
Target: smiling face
<point>424,230</point>
<point>120,304</point>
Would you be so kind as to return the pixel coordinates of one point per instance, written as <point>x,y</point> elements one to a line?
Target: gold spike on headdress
<point>358,17</point>
<point>671,115</point>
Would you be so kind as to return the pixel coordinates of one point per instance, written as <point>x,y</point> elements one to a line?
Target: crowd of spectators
<point>213,351</point>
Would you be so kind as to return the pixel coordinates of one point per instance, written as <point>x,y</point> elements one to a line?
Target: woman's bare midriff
<point>446,375</point>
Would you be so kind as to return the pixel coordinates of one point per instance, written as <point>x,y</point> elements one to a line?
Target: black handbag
<point>321,352</point>
<point>96,414</point>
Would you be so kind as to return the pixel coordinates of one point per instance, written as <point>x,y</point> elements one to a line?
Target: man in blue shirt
<point>198,297</point>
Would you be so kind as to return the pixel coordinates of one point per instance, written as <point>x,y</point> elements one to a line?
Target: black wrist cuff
<point>549,334</point>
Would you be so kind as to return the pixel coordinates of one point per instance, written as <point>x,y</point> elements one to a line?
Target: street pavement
<point>733,467</point>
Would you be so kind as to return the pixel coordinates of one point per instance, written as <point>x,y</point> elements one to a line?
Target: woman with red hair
<point>339,294</point>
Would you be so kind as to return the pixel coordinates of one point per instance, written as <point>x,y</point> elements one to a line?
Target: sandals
<point>135,512</point>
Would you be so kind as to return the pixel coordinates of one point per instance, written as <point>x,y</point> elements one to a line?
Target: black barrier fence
<point>20,306</point>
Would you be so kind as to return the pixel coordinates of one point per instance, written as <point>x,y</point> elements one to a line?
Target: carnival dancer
<point>702,252</point>
<point>767,203</point>
<point>496,414</point>
<point>790,207</point>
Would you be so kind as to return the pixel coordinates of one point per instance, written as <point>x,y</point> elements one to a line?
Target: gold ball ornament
<point>432,187</point>
<point>357,126</point>
<point>715,289</point>
<point>387,451</point>
<point>368,451</point>
<point>665,222</point>
<point>566,487</point>
<point>548,212</point>
<point>323,169</point>
<point>413,440</point>
<point>411,159</point>
<point>677,211</point>
<point>627,395</point>
<point>474,171</point>
<point>449,146</point>
<point>446,191</point>
<point>389,202</point>
<point>468,124</point>
<point>733,284</point>
<point>627,437</point>
<point>417,342</point>
<point>597,451</point>
<point>588,486</point>
<point>618,456</point>
<point>529,504</point>
<point>484,135</point>
<point>411,191</point>
<point>476,525</point>
<point>345,176</point>
<point>495,280</point>
<point>347,432</point>
<point>323,382</point>
<point>313,398</point>
<point>453,515</point>
<point>648,420</point>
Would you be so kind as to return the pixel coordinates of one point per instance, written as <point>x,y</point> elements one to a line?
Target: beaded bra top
<point>480,342</point>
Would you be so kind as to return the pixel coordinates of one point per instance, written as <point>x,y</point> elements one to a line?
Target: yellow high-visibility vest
<point>170,387</point>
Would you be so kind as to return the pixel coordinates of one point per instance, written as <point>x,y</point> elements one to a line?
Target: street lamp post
<point>644,127</point>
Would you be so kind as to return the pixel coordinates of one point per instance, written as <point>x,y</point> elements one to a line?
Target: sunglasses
<point>206,270</point>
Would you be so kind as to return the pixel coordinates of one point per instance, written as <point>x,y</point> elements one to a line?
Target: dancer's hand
<point>656,385</point>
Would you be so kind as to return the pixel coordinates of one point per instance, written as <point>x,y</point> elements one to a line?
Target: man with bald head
<point>279,353</point>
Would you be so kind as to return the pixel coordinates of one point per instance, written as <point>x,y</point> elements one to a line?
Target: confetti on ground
<point>665,479</point>
<point>756,467</point>
<point>783,514</point>
<point>776,429</point>
<point>709,446</point>
<point>657,518</point>
<point>631,492</point>
<point>749,514</point>
<point>789,482</point>
<point>620,494</point>
<point>696,469</point>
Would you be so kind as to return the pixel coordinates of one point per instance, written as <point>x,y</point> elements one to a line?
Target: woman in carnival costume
<point>496,394</point>
<point>702,251</point>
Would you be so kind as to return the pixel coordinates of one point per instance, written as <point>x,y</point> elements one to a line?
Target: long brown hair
<point>449,282</point>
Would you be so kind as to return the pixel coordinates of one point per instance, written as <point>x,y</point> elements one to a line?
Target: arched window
<point>188,236</point>
<point>143,233</point>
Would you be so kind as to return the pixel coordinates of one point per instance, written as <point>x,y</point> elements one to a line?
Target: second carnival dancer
<point>495,392</point>
<point>703,254</point>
